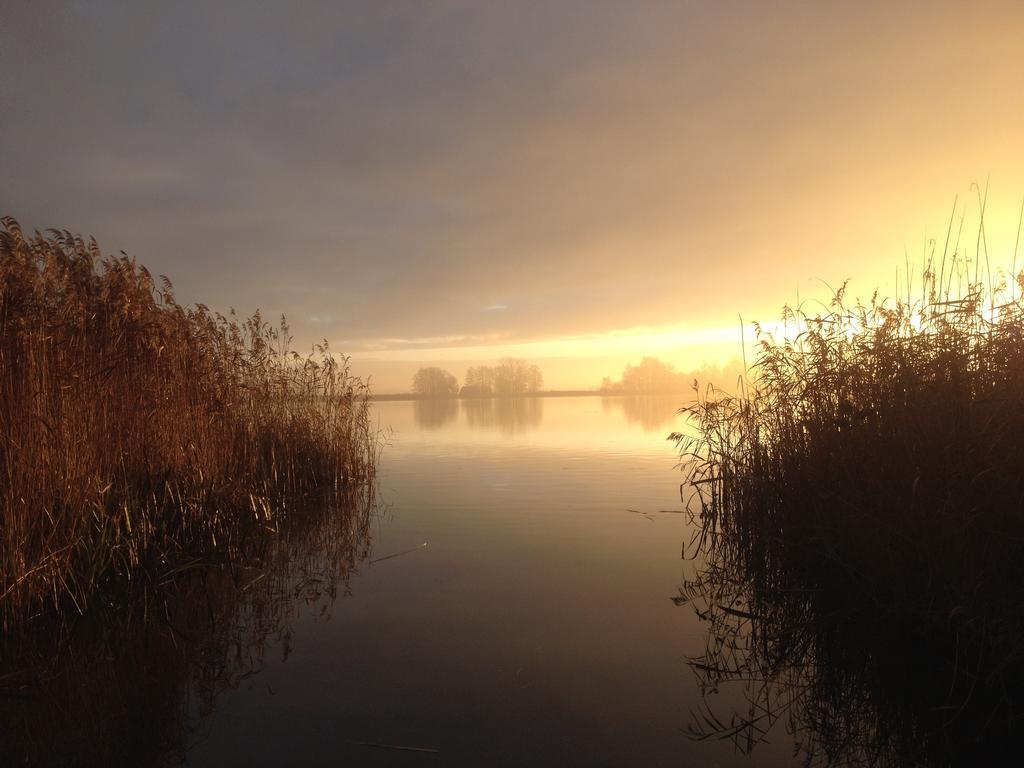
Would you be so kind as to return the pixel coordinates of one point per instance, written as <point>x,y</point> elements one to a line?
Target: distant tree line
<point>511,377</point>
<point>653,376</point>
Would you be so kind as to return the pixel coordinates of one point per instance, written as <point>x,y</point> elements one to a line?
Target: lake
<point>526,615</point>
<point>508,594</point>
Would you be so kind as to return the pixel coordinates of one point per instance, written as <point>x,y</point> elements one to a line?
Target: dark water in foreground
<point>508,600</point>
<point>511,592</point>
<point>534,628</point>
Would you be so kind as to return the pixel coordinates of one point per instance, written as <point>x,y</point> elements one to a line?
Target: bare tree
<point>434,382</point>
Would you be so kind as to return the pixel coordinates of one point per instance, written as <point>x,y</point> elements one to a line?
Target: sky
<point>579,183</point>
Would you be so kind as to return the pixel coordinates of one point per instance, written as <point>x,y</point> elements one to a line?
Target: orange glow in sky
<point>578,183</point>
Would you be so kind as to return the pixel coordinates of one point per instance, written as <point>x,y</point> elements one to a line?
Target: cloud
<point>373,170</point>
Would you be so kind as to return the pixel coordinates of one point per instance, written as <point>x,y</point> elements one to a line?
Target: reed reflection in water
<point>855,683</point>
<point>135,684</point>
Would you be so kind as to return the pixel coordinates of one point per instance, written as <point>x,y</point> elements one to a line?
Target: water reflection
<point>133,684</point>
<point>858,683</point>
<point>509,415</point>
<point>652,412</point>
<point>435,413</point>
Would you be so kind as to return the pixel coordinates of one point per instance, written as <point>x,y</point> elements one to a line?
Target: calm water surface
<point>527,621</point>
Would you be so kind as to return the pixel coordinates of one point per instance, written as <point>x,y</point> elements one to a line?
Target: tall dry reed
<point>861,532</point>
<point>134,429</point>
<point>902,423</point>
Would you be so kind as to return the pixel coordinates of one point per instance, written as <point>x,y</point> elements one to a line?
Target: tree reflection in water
<point>652,412</point>
<point>509,415</point>
<point>132,684</point>
<point>854,682</point>
<point>434,413</point>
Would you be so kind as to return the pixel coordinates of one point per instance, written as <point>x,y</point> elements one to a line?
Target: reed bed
<point>861,536</point>
<point>137,433</point>
<point>137,682</point>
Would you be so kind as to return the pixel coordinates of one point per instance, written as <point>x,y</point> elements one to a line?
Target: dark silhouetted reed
<point>134,430</point>
<point>861,530</point>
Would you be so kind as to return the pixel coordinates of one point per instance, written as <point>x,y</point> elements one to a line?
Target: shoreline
<point>402,396</point>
